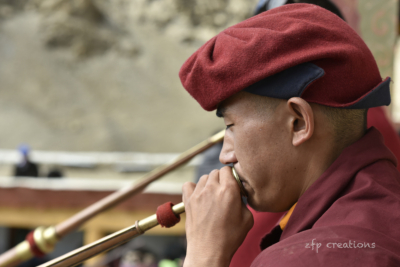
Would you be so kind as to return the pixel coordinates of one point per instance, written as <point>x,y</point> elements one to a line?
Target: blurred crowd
<point>27,168</point>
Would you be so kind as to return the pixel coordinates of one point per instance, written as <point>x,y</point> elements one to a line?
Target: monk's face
<point>260,147</point>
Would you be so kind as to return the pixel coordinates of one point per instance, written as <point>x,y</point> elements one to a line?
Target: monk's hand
<point>217,221</point>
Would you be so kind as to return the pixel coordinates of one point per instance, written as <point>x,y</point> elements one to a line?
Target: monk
<point>293,86</point>
<point>376,117</point>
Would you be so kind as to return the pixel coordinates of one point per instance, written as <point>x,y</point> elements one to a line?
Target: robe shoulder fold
<point>333,246</point>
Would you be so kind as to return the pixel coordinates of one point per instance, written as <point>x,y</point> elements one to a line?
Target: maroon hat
<point>294,50</point>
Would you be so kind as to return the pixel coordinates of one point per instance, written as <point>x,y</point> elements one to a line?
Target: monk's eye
<point>228,126</point>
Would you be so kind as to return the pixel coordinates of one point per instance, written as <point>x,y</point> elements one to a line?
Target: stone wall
<point>101,75</point>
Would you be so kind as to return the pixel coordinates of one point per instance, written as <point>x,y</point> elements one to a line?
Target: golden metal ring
<point>138,229</point>
<point>242,190</point>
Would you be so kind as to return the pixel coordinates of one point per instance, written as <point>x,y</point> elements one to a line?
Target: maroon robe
<point>351,214</point>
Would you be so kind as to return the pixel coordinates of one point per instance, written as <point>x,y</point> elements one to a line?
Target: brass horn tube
<point>46,238</point>
<point>109,242</point>
<point>114,240</point>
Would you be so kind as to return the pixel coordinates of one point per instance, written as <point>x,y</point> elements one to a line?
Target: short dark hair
<point>346,123</point>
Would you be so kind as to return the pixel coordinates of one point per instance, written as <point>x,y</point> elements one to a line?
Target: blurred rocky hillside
<point>102,75</point>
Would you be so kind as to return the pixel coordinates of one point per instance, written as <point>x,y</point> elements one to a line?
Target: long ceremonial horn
<point>109,242</point>
<point>116,239</point>
<point>42,240</point>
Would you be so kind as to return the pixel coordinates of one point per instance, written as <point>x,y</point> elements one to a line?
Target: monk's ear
<point>302,120</point>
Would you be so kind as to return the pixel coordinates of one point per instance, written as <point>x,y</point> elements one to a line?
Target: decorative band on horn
<point>42,240</point>
<point>165,216</point>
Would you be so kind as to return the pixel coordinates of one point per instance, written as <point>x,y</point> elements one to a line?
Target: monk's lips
<point>293,50</point>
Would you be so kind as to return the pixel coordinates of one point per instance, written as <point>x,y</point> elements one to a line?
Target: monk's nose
<point>227,155</point>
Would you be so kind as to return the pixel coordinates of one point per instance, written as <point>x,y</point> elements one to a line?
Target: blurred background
<point>90,100</point>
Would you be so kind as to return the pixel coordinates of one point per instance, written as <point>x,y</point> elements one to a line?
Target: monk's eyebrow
<point>220,112</point>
